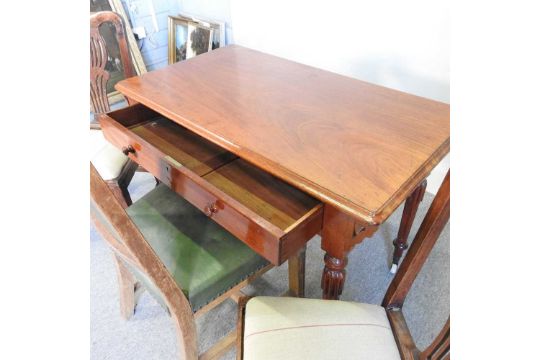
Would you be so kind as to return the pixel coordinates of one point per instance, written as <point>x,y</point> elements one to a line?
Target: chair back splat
<point>430,230</point>
<point>107,53</point>
<point>99,56</point>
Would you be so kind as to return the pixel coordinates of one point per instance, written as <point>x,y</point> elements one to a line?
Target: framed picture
<point>218,26</point>
<point>107,31</point>
<point>188,38</point>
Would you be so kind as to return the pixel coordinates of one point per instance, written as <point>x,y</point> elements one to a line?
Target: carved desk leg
<point>340,234</point>
<point>409,212</point>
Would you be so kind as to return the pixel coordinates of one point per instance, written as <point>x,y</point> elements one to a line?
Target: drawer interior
<point>158,137</point>
<point>184,146</point>
<point>187,148</point>
<point>266,195</point>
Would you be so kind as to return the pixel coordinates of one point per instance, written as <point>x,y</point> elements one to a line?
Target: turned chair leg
<point>409,212</point>
<point>128,287</point>
<point>297,273</point>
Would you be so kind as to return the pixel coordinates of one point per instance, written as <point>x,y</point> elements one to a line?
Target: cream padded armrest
<point>293,328</point>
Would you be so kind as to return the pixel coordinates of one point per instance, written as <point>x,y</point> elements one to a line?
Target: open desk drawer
<point>272,217</point>
<point>146,137</point>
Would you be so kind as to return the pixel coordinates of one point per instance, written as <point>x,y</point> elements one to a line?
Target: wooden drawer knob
<point>128,149</point>
<point>210,209</point>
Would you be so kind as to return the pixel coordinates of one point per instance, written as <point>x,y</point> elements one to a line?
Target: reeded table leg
<point>338,238</point>
<point>333,278</point>
<point>340,234</point>
<point>409,212</point>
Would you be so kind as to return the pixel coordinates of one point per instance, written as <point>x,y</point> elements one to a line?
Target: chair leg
<point>125,194</point>
<point>297,273</point>
<point>186,333</point>
<point>128,287</point>
<point>120,192</point>
<point>409,212</point>
<point>119,186</point>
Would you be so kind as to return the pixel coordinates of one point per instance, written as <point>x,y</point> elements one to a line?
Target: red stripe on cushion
<point>310,326</point>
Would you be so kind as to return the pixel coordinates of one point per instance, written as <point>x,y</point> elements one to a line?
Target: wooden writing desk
<point>344,154</point>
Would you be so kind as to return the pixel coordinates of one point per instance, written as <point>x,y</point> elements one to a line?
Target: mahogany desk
<point>357,149</point>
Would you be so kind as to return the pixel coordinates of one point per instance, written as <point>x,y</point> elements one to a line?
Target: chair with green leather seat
<point>184,259</point>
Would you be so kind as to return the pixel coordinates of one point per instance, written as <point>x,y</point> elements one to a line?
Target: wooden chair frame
<point>426,237</point>
<point>98,88</point>
<point>430,230</point>
<point>136,251</point>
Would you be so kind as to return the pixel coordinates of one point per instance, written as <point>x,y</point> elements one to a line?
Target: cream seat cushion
<point>107,159</point>
<point>294,328</point>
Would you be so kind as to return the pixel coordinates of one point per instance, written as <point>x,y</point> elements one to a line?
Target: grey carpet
<point>150,333</point>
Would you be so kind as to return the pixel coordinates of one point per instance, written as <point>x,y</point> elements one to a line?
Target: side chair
<point>289,328</point>
<point>112,164</point>
<point>185,260</point>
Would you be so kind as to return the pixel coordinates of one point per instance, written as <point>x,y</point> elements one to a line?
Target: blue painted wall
<point>219,10</point>
<point>154,46</point>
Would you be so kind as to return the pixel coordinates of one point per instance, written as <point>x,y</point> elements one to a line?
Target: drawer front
<point>262,236</point>
<point>142,152</point>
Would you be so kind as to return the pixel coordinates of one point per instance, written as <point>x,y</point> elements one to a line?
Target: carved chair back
<point>426,237</point>
<point>99,56</point>
<point>129,244</point>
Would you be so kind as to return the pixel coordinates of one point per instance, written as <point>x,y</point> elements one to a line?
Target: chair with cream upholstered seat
<point>291,328</point>
<point>113,165</point>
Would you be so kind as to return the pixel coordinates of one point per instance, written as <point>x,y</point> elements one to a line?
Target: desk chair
<point>113,165</point>
<point>289,328</point>
<point>184,259</point>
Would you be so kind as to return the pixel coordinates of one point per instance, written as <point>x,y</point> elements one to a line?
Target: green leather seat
<point>204,259</point>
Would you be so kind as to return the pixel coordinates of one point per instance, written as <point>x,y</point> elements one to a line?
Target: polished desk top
<point>360,147</point>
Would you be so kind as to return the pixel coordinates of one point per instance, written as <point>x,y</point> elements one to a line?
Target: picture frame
<point>218,26</point>
<point>136,58</point>
<point>188,38</point>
